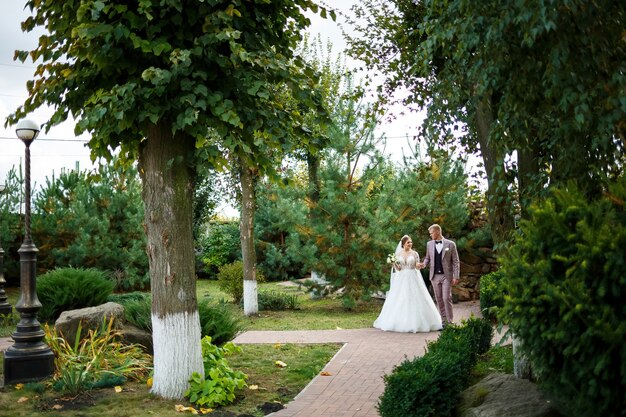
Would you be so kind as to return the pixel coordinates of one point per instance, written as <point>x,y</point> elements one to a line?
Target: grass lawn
<point>273,384</point>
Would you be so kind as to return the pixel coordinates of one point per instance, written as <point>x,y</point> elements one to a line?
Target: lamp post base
<point>27,365</point>
<point>6,309</point>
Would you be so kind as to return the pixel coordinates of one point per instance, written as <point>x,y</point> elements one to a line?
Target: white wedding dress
<point>408,306</point>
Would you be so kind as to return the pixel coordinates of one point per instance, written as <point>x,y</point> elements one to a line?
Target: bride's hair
<point>404,239</point>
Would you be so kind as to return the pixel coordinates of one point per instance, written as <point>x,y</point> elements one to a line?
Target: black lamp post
<point>5,307</point>
<point>29,359</point>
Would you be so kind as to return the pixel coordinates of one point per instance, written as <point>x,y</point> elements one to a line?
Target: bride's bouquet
<point>391,258</point>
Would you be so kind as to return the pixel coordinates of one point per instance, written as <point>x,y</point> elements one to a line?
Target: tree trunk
<point>498,203</point>
<point>529,177</point>
<point>168,198</point>
<point>313,165</point>
<point>248,206</point>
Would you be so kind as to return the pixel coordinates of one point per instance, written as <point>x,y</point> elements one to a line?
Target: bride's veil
<point>398,248</point>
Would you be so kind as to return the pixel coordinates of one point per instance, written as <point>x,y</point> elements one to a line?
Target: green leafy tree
<point>562,112</point>
<point>154,80</point>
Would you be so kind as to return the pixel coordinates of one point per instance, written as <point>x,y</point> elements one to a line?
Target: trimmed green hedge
<point>428,386</point>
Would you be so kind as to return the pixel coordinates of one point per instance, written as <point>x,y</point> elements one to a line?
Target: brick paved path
<point>357,369</point>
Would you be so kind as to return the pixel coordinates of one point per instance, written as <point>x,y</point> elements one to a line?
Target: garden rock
<point>134,335</point>
<point>89,318</point>
<point>505,395</point>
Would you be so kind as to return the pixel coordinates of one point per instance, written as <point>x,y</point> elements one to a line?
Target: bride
<point>408,306</point>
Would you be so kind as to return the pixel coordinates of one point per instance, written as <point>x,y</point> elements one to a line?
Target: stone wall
<point>473,265</point>
<point>475,261</point>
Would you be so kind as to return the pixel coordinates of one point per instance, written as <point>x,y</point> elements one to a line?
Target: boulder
<point>134,335</point>
<point>89,318</point>
<point>505,395</point>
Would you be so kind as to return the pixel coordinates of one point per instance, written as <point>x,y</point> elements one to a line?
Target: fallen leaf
<point>338,328</point>
<point>206,410</point>
<point>253,387</point>
<point>22,399</point>
<point>118,389</point>
<point>324,373</point>
<point>57,407</point>
<point>19,386</point>
<point>181,408</point>
<point>277,346</point>
<point>280,364</point>
<point>149,382</point>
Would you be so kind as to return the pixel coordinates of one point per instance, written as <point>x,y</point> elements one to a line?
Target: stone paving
<point>355,374</point>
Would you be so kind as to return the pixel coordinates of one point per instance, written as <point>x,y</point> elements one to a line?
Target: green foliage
<point>356,224</point>
<point>129,67</point>
<point>216,321</point>
<point>455,58</point>
<point>492,293</point>
<point>137,308</point>
<point>428,385</point>
<point>93,221</point>
<point>219,244</point>
<point>230,278</point>
<point>220,382</point>
<point>95,361</point>
<point>71,288</point>
<point>277,301</point>
<point>281,211</point>
<point>566,280</point>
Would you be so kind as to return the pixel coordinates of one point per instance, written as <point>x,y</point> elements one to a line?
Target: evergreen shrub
<point>71,288</point>
<point>277,301</point>
<point>230,280</point>
<point>218,322</point>
<point>566,279</point>
<point>492,293</point>
<point>428,386</point>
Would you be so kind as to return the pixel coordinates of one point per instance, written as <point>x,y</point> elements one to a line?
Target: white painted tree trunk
<point>248,252</point>
<point>521,365</point>
<point>168,179</point>
<point>250,300</point>
<point>176,356</point>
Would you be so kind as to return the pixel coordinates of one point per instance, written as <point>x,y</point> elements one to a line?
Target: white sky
<point>59,148</point>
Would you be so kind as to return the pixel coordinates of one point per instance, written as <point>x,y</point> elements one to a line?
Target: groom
<point>443,259</point>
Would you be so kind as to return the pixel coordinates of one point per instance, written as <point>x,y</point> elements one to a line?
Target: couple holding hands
<point>408,306</point>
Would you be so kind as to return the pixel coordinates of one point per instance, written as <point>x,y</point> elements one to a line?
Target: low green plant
<point>413,389</point>
<point>218,321</point>
<point>138,311</point>
<point>277,301</point>
<point>220,381</point>
<point>492,293</point>
<point>65,289</point>
<point>96,361</point>
<point>230,279</point>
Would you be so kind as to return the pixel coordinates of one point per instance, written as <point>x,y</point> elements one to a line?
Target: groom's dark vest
<point>438,263</point>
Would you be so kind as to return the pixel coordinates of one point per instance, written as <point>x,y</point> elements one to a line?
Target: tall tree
<point>151,79</point>
<point>541,79</point>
